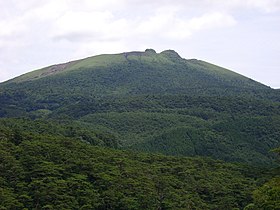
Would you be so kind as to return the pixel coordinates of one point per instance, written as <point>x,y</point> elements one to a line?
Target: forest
<point>139,130</point>
<point>54,171</point>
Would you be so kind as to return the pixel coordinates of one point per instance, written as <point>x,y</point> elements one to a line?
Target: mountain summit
<point>139,73</point>
<point>153,102</point>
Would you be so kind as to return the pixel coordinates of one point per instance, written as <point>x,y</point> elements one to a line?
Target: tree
<point>268,195</point>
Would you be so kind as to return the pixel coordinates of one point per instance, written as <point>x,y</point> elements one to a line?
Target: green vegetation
<point>55,172</point>
<point>93,134</point>
<point>155,103</point>
<point>268,195</point>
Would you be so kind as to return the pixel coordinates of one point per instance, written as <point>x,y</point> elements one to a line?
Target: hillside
<point>135,73</point>
<point>50,171</point>
<point>138,130</point>
<point>154,102</point>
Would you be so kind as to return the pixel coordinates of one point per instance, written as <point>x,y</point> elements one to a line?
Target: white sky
<point>242,35</point>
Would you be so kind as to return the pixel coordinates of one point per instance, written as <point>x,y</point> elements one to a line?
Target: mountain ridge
<point>138,130</point>
<point>149,55</point>
<point>154,102</point>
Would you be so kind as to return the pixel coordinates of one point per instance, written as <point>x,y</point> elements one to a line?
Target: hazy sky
<point>242,35</point>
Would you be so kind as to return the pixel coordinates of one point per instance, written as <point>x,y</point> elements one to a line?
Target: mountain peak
<point>171,54</point>
<point>166,71</point>
<point>152,51</point>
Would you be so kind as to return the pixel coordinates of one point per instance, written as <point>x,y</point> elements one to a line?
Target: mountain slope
<point>155,102</point>
<point>48,171</point>
<point>137,73</point>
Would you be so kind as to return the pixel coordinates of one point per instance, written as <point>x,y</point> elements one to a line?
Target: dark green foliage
<point>154,103</point>
<point>23,128</point>
<point>181,132</point>
<point>141,101</point>
<point>46,172</point>
<point>268,195</point>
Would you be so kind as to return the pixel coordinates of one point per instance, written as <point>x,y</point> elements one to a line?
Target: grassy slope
<point>165,64</point>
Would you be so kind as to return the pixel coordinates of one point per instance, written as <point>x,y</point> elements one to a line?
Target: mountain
<point>136,73</point>
<point>153,102</point>
<point>138,130</point>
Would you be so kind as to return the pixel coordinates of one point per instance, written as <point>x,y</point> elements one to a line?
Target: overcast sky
<point>242,35</point>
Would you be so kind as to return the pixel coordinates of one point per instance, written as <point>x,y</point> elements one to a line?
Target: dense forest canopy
<point>138,130</point>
